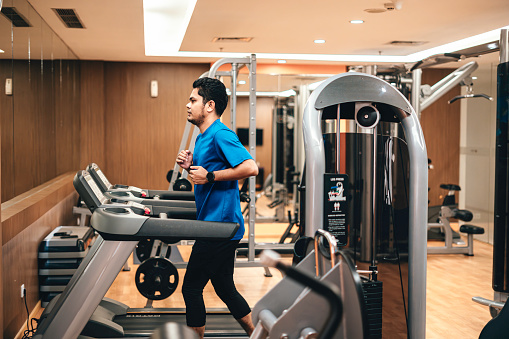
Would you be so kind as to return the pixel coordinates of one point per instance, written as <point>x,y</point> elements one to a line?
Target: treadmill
<point>82,308</point>
<point>133,193</point>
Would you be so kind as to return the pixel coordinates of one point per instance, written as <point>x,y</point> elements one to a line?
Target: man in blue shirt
<point>218,162</point>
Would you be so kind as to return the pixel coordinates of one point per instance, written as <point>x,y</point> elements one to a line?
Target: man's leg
<point>223,284</point>
<point>195,279</point>
<point>247,324</point>
<point>199,330</point>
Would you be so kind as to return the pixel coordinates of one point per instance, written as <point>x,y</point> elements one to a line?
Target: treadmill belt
<point>142,324</point>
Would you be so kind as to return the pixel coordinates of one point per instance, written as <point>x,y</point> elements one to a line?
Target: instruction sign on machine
<point>336,206</point>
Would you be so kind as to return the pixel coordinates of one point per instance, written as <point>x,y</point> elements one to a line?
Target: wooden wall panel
<point>40,124</point>
<point>43,154</point>
<point>20,263</point>
<point>92,113</point>
<point>143,134</point>
<point>67,116</point>
<point>25,85</point>
<point>441,128</point>
<point>6,121</point>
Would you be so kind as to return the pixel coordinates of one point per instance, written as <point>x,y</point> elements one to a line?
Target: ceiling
<point>114,29</point>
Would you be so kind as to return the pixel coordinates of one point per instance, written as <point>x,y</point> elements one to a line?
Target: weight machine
<point>367,100</point>
<point>498,307</point>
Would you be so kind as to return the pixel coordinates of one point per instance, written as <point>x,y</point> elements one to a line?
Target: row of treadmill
<point>124,215</point>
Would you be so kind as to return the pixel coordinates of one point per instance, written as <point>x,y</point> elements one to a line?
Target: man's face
<point>195,108</point>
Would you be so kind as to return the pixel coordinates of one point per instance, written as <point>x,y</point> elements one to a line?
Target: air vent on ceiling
<point>375,10</point>
<point>406,43</point>
<point>15,17</point>
<point>231,39</point>
<point>69,17</point>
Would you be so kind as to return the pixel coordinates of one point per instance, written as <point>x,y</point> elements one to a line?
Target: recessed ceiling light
<point>280,61</point>
<point>319,41</point>
<point>492,45</point>
<point>242,82</point>
<point>356,21</point>
<point>1,51</point>
<point>165,24</point>
<point>474,78</point>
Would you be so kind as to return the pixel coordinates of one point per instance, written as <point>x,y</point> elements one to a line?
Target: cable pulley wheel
<point>156,278</point>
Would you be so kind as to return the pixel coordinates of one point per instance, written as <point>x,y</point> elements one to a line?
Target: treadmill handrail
<point>123,224</point>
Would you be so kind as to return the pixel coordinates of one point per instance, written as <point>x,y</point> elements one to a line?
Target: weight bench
<point>464,215</point>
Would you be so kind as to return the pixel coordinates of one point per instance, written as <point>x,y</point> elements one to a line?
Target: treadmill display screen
<point>102,177</point>
<point>91,183</point>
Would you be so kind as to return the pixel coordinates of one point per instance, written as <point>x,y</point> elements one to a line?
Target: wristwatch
<point>211,177</point>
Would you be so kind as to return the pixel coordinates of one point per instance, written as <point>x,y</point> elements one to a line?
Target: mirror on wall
<point>39,93</point>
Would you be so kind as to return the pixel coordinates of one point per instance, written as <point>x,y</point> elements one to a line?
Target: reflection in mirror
<point>38,127</point>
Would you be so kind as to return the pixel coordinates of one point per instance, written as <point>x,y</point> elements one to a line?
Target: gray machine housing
<point>340,94</point>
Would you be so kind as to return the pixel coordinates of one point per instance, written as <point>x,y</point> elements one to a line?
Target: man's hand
<point>198,174</point>
<point>185,159</point>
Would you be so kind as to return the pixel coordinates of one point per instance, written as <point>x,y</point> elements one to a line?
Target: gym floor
<point>452,281</point>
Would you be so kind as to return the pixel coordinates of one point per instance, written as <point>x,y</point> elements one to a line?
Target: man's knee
<point>189,292</point>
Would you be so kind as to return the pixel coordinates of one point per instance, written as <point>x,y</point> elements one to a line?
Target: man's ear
<point>211,106</point>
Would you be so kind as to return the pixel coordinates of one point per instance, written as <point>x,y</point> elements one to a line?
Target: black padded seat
<point>471,229</point>
<point>463,215</point>
<point>450,187</point>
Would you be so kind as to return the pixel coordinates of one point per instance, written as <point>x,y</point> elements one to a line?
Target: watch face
<point>210,176</point>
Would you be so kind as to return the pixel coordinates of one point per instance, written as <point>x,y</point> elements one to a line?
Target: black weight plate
<point>182,184</point>
<point>144,248</point>
<point>170,173</point>
<point>156,278</point>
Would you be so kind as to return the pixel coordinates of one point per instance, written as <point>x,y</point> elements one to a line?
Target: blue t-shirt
<point>216,149</point>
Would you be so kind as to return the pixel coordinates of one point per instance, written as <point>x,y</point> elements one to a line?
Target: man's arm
<point>243,170</point>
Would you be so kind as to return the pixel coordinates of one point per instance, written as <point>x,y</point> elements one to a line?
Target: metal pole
<point>252,150</point>
<point>338,140</point>
<point>416,91</point>
<point>504,48</point>
<point>233,107</point>
<point>374,200</point>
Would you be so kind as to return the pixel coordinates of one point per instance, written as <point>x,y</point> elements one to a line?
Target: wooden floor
<point>452,280</point>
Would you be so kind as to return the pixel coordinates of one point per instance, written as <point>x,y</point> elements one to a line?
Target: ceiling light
<point>319,41</point>
<point>356,21</point>
<point>242,82</point>
<point>493,45</point>
<point>474,78</point>
<point>2,51</point>
<point>281,61</point>
<point>165,24</point>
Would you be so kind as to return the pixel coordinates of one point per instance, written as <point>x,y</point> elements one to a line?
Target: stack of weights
<point>60,254</point>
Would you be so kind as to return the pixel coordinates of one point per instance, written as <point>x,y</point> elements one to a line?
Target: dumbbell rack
<point>60,254</point>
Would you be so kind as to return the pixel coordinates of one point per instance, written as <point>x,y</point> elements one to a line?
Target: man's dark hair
<point>212,89</point>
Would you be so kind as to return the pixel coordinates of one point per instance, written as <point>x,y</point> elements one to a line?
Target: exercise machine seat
<point>450,187</point>
<point>463,215</point>
<point>497,327</point>
<point>471,229</point>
